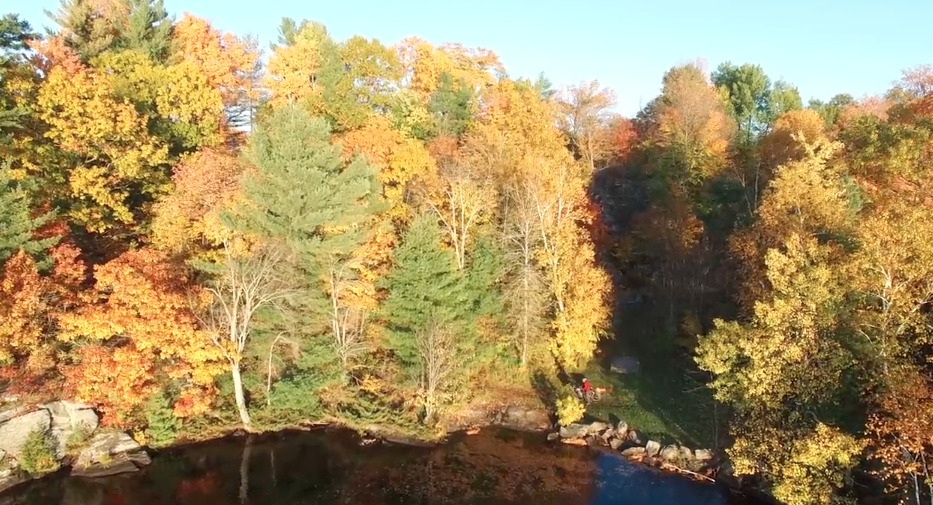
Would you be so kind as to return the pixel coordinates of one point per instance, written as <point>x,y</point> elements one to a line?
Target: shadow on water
<point>330,467</point>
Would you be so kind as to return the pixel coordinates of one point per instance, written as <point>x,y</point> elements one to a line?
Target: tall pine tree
<point>302,194</point>
<point>431,312</point>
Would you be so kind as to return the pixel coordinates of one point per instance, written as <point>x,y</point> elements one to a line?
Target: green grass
<point>662,400</point>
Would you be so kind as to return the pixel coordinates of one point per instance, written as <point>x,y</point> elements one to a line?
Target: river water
<point>331,467</point>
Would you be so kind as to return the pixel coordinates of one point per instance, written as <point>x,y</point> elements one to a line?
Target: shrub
<point>161,424</point>
<point>569,410</point>
<point>38,454</point>
<point>78,438</point>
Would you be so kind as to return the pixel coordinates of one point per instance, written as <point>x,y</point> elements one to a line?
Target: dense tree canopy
<point>387,233</point>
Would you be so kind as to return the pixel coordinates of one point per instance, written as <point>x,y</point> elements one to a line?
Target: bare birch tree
<point>242,285</point>
<point>437,353</point>
<point>348,323</point>
<point>526,293</point>
<point>586,113</point>
<point>463,202</point>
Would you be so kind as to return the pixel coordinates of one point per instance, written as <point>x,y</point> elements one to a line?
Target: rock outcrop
<point>110,453</point>
<point>15,431</point>
<point>70,421</point>
<point>70,429</point>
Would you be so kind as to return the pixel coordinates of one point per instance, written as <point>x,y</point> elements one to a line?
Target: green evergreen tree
<point>17,223</point>
<point>450,106</point>
<point>429,312</point>
<point>162,426</point>
<point>148,28</point>
<point>424,286</point>
<point>304,195</point>
<point>143,25</point>
<point>85,28</point>
<point>484,272</point>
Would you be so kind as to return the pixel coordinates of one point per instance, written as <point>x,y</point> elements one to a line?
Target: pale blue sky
<point>822,46</point>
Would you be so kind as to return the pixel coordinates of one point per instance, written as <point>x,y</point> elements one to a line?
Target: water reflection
<point>618,482</point>
<point>321,468</point>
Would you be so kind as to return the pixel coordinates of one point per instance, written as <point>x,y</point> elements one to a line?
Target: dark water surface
<point>330,467</point>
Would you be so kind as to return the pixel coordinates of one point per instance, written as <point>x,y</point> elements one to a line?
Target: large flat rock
<point>110,453</point>
<point>14,432</point>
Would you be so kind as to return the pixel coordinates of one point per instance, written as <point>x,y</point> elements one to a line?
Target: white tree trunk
<point>240,396</point>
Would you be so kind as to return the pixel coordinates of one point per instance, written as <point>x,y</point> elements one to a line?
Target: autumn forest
<point>198,234</point>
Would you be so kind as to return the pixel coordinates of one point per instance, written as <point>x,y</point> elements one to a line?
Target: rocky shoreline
<point>631,444</point>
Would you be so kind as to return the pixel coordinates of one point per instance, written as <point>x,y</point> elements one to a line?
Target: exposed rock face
<point>597,428</point>
<point>11,475</point>
<point>526,418</point>
<point>517,417</point>
<point>105,454</point>
<point>13,433</point>
<point>69,419</point>
<point>109,454</point>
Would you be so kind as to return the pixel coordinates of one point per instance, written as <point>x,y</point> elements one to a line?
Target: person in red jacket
<point>586,390</point>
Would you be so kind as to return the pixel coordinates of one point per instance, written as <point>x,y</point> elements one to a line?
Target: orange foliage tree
<point>137,335</point>
<point>187,221</point>
<point>228,62</point>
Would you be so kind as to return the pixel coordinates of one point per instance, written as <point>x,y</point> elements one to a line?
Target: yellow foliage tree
<point>517,141</point>
<point>290,73</point>
<point>110,144</point>
<point>806,196</point>
<point>790,135</point>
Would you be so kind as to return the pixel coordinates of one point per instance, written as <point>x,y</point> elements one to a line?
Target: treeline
<point>350,232</point>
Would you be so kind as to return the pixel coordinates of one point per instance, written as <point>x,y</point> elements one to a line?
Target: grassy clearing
<point>661,400</point>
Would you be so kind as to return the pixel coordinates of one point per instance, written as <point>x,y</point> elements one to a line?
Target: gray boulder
<point>574,431</point>
<point>622,429</point>
<point>653,448</point>
<point>686,453</point>
<point>13,433</point>
<point>110,453</point>
<point>634,452</point>
<point>625,365</point>
<point>9,412</point>
<point>69,419</point>
<point>553,436</point>
<point>703,454</point>
<point>526,418</point>
<point>670,453</point>
<point>615,443</point>
<point>10,476</point>
<point>597,427</point>
<point>636,438</point>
